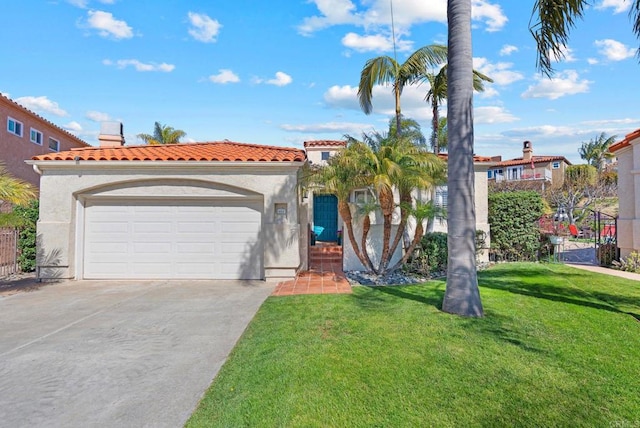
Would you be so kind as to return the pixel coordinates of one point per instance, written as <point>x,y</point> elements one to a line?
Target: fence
<point>8,251</point>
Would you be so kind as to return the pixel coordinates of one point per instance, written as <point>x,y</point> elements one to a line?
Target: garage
<point>212,239</point>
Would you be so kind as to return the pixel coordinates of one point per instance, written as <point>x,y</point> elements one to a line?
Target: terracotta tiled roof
<point>321,143</point>
<point>13,103</point>
<point>476,158</point>
<point>213,151</point>
<point>536,159</point>
<point>626,142</point>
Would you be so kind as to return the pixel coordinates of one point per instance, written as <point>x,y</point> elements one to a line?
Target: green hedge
<point>513,217</point>
<point>27,236</point>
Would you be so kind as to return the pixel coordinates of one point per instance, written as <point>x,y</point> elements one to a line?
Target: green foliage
<point>513,218</point>
<point>27,237</point>
<point>431,254</point>
<point>580,175</point>
<point>631,263</point>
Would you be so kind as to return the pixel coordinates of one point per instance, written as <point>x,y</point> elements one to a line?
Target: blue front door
<point>325,217</point>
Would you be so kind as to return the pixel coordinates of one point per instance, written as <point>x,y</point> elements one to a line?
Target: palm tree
<point>383,70</point>
<point>443,139</point>
<point>553,21</point>
<point>13,190</point>
<point>162,134</point>
<point>410,129</point>
<point>596,151</point>
<point>462,296</point>
<point>438,93</point>
<point>340,176</point>
<point>395,163</point>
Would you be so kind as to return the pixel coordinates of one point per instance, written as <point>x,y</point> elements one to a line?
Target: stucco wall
<point>15,150</point>
<point>629,198</point>
<point>64,186</point>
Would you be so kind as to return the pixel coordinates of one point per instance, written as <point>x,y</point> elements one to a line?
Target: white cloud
<point>500,72</point>
<point>565,83</point>
<point>618,6</point>
<point>565,55</point>
<point>224,76</point>
<point>592,61</point>
<point>614,50</point>
<point>108,26</point>
<point>141,66</point>
<point>73,127</point>
<point>281,79</point>
<point>41,105</point>
<point>97,116</point>
<point>78,3</point>
<point>376,13</point>
<point>492,115</point>
<point>413,103</point>
<point>374,43</point>
<point>203,28</point>
<point>508,50</point>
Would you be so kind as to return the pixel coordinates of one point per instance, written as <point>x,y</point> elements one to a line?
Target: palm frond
<point>550,24</point>
<point>377,71</point>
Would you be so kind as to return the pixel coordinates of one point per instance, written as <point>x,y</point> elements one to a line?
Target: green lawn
<point>558,347</point>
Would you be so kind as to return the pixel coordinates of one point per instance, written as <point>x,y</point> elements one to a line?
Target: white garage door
<point>136,240</point>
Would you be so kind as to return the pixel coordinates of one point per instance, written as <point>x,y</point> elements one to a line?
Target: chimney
<point>496,158</point>
<point>527,151</point>
<point>111,134</point>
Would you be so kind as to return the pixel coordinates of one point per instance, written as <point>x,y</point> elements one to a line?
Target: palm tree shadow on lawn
<point>497,326</point>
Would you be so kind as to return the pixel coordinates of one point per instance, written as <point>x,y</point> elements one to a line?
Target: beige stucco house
<point>547,170</point>
<point>628,154</point>
<point>323,213</point>
<point>219,210</point>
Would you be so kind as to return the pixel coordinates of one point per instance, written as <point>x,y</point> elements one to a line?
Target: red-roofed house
<point>628,153</point>
<point>25,135</point>
<point>218,210</point>
<point>546,169</point>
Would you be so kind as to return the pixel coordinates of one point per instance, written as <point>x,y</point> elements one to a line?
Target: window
<point>442,194</point>
<point>325,156</point>
<point>54,145</point>
<point>556,165</point>
<point>35,136</point>
<point>361,197</point>
<point>14,127</point>
<point>490,173</point>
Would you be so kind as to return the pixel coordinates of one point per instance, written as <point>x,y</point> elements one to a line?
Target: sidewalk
<point>606,271</point>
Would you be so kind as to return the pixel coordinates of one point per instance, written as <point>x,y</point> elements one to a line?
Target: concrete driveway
<point>114,353</point>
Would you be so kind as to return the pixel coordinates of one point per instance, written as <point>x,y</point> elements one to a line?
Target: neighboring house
<point>548,170</point>
<point>218,210</point>
<point>628,231</point>
<point>24,135</point>
<point>323,212</point>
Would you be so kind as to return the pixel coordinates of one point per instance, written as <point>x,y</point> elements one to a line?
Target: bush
<point>430,255</point>
<point>513,217</point>
<point>631,263</point>
<point>27,236</point>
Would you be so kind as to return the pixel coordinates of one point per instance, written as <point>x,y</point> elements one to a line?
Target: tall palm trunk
<point>434,124</point>
<point>462,296</point>
<point>396,91</point>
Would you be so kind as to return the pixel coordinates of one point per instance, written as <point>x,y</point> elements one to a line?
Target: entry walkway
<point>325,275</point>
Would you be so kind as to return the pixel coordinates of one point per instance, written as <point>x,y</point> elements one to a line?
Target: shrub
<point>27,236</point>
<point>513,218</point>
<point>430,255</point>
<point>631,263</point>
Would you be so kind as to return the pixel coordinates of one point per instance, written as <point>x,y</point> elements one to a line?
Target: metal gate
<point>606,242</point>
<point>8,251</point>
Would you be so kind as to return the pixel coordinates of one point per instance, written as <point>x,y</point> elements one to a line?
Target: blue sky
<point>285,71</point>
